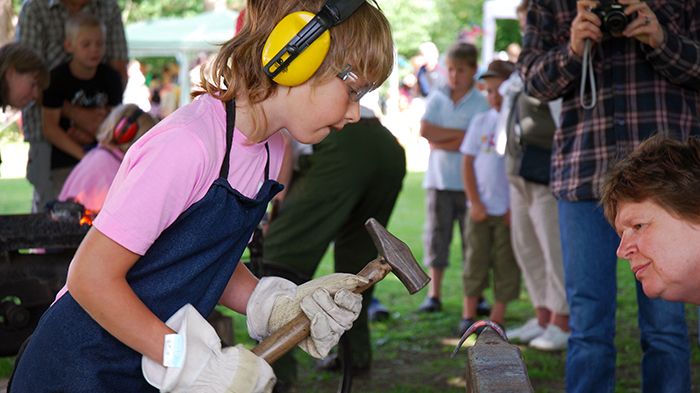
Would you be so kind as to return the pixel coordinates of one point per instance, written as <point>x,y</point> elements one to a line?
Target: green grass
<point>15,196</point>
<point>411,351</point>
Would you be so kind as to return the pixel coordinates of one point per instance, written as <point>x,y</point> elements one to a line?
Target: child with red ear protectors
<point>165,248</point>
<point>91,178</point>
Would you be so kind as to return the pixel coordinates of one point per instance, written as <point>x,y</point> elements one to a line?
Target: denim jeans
<point>590,265</point>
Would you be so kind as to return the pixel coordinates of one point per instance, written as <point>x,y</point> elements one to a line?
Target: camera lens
<point>615,21</point>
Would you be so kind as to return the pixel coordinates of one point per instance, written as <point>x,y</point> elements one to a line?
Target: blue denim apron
<point>190,262</point>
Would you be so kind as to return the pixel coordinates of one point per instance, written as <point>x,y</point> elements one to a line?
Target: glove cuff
<point>253,371</point>
<point>261,302</point>
<point>199,339</point>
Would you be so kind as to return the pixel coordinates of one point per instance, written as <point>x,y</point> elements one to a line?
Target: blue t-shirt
<point>489,166</point>
<point>445,167</point>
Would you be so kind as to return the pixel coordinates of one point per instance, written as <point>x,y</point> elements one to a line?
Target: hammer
<point>394,256</point>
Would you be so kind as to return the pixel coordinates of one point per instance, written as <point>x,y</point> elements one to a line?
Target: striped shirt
<point>641,90</point>
<point>41,27</point>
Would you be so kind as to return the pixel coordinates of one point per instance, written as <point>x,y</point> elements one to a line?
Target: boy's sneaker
<point>464,324</point>
<point>553,339</point>
<point>430,304</point>
<point>376,311</point>
<point>483,308</point>
<point>527,332</point>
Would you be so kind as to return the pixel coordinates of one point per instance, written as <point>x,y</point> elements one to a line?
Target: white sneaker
<point>526,332</point>
<point>553,339</point>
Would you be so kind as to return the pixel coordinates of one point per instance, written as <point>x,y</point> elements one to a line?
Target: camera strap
<point>588,76</point>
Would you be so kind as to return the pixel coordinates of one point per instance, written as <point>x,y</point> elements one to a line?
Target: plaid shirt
<point>640,90</point>
<point>40,26</point>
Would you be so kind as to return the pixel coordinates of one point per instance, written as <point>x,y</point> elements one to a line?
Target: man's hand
<point>586,25</point>
<point>645,27</point>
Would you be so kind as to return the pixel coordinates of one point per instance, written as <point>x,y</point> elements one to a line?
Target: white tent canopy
<point>182,38</point>
<point>493,10</point>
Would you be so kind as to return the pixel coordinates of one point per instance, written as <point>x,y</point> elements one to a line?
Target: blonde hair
<point>363,41</point>
<point>23,60</point>
<point>82,20</point>
<point>105,134</point>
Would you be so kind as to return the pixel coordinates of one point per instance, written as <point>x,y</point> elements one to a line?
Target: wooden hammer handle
<point>296,330</point>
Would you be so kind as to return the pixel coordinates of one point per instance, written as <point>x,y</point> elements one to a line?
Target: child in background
<point>23,76</point>
<point>166,246</point>
<point>92,88</point>
<point>448,112</point>
<point>488,228</point>
<point>90,180</point>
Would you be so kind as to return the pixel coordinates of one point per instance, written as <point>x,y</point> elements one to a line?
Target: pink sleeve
<point>156,182</point>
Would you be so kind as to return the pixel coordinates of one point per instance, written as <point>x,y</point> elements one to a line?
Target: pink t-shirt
<point>89,181</point>
<point>173,165</point>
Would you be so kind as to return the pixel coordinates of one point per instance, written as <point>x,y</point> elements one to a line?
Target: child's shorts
<point>443,208</point>
<point>489,250</point>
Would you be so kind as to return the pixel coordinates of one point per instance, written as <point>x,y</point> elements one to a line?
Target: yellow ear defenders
<point>305,36</point>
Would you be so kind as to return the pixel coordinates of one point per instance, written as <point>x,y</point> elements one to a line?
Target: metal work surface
<point>35,250</point>
<point>495,366</point>
<point>23,231</point>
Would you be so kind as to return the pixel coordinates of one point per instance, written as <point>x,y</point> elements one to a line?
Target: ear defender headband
<point>127,127</point>
<point>305,36</point>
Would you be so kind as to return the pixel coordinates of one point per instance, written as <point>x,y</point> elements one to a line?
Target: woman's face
<point>23,88</point>
<point>663,251</point>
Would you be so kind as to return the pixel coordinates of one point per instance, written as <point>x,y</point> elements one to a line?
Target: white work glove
<point>327,301</point>
<point>207,367</point>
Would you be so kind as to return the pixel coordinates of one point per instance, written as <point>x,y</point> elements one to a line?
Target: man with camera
<point>642,61</point>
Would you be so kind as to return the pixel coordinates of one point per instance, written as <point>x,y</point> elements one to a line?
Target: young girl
<point>181,209</point>
<point>23,76</point>
<point>90,180</point>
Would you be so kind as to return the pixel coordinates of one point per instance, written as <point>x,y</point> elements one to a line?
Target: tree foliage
<point>440,21</point>
<point>507,32</point>
<point>136,10</point>
<point>454,16</point>
<point>411,21</point>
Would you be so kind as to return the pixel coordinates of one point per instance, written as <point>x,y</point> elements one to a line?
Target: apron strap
<point>230,122</point>
<point>267,163</point>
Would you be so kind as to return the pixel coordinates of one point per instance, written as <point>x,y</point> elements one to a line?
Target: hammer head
<point>397,254</point>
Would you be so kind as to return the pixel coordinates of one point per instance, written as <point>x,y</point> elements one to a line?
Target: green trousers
<point>352,175</point>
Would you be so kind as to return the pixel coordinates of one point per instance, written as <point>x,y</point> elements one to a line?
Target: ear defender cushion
<point>127,128</point>
<point>308,61</point>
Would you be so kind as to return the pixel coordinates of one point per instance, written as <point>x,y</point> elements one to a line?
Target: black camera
<point>613,18</point>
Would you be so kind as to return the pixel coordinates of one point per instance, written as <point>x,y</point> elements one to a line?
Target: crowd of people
<point>532,159</point>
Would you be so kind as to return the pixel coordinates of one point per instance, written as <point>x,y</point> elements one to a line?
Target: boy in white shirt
<point>488,227</point>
